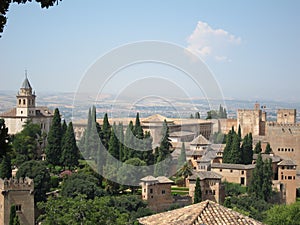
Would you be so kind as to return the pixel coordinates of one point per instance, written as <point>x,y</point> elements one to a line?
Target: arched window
<point>24,101</point>
<point>20,101</point>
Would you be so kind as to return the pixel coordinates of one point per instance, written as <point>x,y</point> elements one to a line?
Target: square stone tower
<point>286,116</point>
<point>20,194</point>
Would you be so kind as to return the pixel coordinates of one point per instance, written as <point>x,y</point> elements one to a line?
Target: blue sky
<point>252,47</point>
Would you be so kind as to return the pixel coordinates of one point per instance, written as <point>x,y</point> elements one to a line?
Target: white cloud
<point>208,42</point>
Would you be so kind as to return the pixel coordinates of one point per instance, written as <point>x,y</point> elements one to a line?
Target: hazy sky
<point>252,47</point>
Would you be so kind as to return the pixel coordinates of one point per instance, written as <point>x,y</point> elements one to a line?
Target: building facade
<point>18,193</point>
<point>26,110</point>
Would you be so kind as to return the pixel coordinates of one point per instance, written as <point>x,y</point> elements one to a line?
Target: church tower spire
<point>26,99</point>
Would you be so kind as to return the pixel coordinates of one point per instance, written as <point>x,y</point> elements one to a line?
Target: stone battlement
<point>25,184</point>
<point>275,124</point>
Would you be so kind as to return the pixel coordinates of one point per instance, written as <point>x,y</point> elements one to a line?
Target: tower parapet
<point>22,184</point>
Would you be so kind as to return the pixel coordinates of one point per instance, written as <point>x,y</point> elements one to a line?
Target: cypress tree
<point>148,156</point>
<point>268,149</point>
<point>267,179</point>
<point>53,148</point>
<point>198,192</point>
<point>247,152</point>
<point>197,115</point>
<point>139,135</point>
<point>70,152</point>
<point>258,148</point>
<point>4,139</point>
<point>106,129</point>
<point>5,167</point>
<point>240,132</point>
<point>236,153</point>
<point>64,128</point>
<point>12,214</point>
<point>227,149</point>
<point>255,187</point>
<point>113,145</point>
<point>182,157</point>
<point>161,169</point>
<point>128,142</point>
<point>120,137</point>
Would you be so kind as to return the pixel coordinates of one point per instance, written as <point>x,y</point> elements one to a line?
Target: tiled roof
<point>161,180</point>
<point>156,119</point>
<point>207,212</point>
<point>10,113</point>
<point>287,163</point>
<point>232,166</point>
<point>205,175</point>
<point>274,158</point>
<point>200,140</point>
<point>181,134</point>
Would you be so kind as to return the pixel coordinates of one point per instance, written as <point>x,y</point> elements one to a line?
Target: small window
<point>151,196</point>
<point>294,177</point>
<point>20,101</point>
<point>290,177</point>
<point>163,192</point>
<point>144,189</point>
<point>220,170</point>
<point>21,112</point>
<point>214,192</point>
<point>292,149</point>
<point>282,177</point>
<point>24,101</point>
<point>242,172</point>
<point>206,192</point>
<point>279,149</point>
<point>18,208</point>
<point>289,149</point>
<point>151,191</point>
<point>231,171</point>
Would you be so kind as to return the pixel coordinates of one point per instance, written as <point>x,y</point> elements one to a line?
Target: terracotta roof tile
<point>207,212</point>
<point>200,140</point>
<point>232,166</point>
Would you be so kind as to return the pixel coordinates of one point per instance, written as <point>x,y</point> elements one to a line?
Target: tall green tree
<point>38,171</point>
<point>258,148</point>
<point>198,192</point>
<point>106,130</point>
<point>240,132</point>
<point>261,182</point>
<point>182,157</point>
<point>113,145</point>
<point>128,142</point>
<point>247,152</point>
<point>148,156</point>
<point>64,128</point>
<point>25,144</point>
<point>164,154</point>
<point>283,215</point>
<point>4,139</point>
<point>197,115</point>
<point>12,214</point>
<point>236,153</point>
<point>267,181</point>
<point>53,148</point>
<point>5,167</point>
<point>227,149</point>
<point>268,149</point>
<point>70,151</point>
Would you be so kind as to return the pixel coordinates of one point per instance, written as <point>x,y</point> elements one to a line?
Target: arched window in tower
<point>20,101</point>
<point>24,101</point>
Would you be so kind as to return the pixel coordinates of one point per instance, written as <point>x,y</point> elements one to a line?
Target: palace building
<point>26,110</point>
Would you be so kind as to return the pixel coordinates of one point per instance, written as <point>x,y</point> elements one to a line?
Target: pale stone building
<point>20,194</point>
<point>157,192</point>
<point>25,110</point>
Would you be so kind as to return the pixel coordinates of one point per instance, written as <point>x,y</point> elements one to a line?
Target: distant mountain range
<point>72,106</point>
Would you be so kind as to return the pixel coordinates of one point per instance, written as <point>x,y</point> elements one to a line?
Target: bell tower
<point>25,99</point>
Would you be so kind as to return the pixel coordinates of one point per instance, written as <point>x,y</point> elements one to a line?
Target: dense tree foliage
<point>248,206</point>
<point>105,210</point>
<point>283,215</point>
<point>26,143</point>
<point>198,193</point>
<point>53,148</point>
<point>163,153</point>
<point>5,167</point>
<point>4,6</point>
<point>261,182</point>
<point>4,139</point>
<point>81,184</point>
<point>70,152</point>
<point>247,151</point>
<point>214,114</point>
<point>268,149</point>
<point>258,148</point>
<point>37,171</point>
